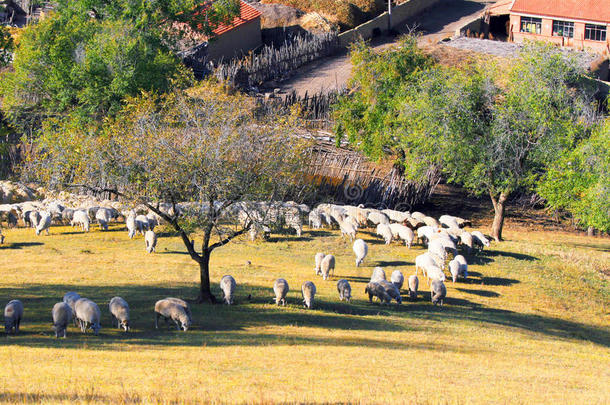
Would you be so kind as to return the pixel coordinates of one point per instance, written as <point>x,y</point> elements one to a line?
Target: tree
<point>493,131</point>
<point>195,159</point>
<point>579,182</point>
<point>6,46</point>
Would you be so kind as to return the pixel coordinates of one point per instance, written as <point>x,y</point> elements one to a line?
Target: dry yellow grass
<point>531,326</point>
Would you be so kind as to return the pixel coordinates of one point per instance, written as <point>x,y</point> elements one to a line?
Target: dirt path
<point>437,23</point>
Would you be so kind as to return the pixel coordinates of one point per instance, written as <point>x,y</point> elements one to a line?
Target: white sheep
<point>377,217</point>
<point>308,289</point>
<point>102,216</point>
<point>88,315</point>
<point>479,239</point>
<point>81,219</point>
<point>385,232</point>
<point>315,219</point>
<point>466,239</point>
<point>347,228</point>
<point>435,273</point>
<point>318,258</point>
<point>430,221</point>
<point>360,249</point>
<point>327,266</point>
<point>424,233</point>
<point>344,289</point>
<point>119,310</point>
<point>150,237</point>
<point>374,289</point>
<point>153,220</point>
<point>13,314</point>
<point>446,241</point>
<point>183,304</point>
<point>449,221</point>
<point>227,286</point>
<point>400,231</point>
<point>62,315</point>
<point>378,274</point>
<point>142,223</point>
<point>280,288</point>
<point>418,215</point>
<point>396,216</point>
<point>397,278</point>
<point>171,309</point>
<point>45,223</point>
<point>130,222</point>
<point>438,252</point>
<point>458,267</point>
<point>438,292</point>
<point>413,286</point>
<point>424,262</point>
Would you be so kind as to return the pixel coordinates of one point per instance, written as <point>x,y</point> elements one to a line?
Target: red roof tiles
<point>247,14</point>
<point>588,10</point>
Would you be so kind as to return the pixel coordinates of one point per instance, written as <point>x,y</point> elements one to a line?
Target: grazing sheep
<point>170,309</point>
<point>391,290</point>
<point>67,215</point>
<point>119,310</point>
<point>130,222</point>
<point>360,249</point>
<point>374,289</point>
<point>318,258</point>
<point>448,244</point>
<point>479,239</point>
<point>227,286</point>
<point>315,219</point>
<point>413,286</point>
<point>88,315</point>
<point>435,273</point>
<point>418,215</point>
<point>45,223</point>
<point>377,217</point>
<point>327,266</point>
<point>424,233</point>
<point>397,278</point>
<point>153,220</point>
<point>347,228</point>
<point>70,298</point>
<point>400,231</point>
<point>385,232</point>
<point>13,313</point>
<point>280,288</point>
<point>458,267</point>
<point>396,216</point>
<point>62,315</point>
<point>150,237</point>
<point>438,292</point>
<point>378,274</point>
<point>102,217</point>
<point>424,262</point>
<point>81,219</point>
<point>448,221</point>
<point>142,223</point>
<point>308,289</point>
<point>183,304</point>
<point>438,252</point>
<point>345,290</point>
<point>467,240</point>
<point>33,217</point>
<point>430,221</point>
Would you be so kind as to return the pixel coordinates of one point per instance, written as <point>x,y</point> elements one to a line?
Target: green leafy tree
<point>579,182</point>
<point>492,131</point>
<point>6,46</point>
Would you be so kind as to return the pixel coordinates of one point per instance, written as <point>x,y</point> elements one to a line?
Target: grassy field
<point>530,326</point>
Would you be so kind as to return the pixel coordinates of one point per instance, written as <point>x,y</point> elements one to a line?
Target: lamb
<point>62,315</point>
<point>308,289</point>
<point>170,309</point>
<point>70,298</point>
<point>479,239</point>
<point>227,286</point>
<point>397,278</point>
<point>119,310</point>
<point>400,231</point>
<point>142,223</point>
<point>318,258</point>
<point>88,315</point>
<point>360,249</point>
<point>391,290</point>
<point>458,267</point>
<point>385,232</point>
<point>150,237</point>
<point>413,286</point>
<point>280,288</point>
<point>130,222</point>
<point>44,224</point>
<point>378,274</point>
<point>374,289</point>
<point>345,290</point>
<point>438,292</point>
<point>103,216</point>
<point>13,313</point>
<point>327,266</point>
<point>80,218</point>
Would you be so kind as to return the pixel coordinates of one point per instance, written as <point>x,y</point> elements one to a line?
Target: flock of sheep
<point>442,238</point>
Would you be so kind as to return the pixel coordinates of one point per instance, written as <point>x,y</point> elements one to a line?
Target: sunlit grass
<point>530,326</point>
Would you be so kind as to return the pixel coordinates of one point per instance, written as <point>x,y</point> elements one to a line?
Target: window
<point>595,32</point>
<point>563,29</point>
<point>531,25</point>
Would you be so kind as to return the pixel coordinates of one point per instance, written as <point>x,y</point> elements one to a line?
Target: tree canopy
<point>6,46</point>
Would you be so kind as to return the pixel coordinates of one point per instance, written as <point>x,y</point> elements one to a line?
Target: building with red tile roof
<point>582,24</point>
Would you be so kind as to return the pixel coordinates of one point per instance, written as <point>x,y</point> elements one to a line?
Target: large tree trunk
<point>499,204</point>
<point>205,293</point>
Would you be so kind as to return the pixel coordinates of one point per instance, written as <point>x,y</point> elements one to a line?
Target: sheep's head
<point>185,321</point>
<point>125,325</point>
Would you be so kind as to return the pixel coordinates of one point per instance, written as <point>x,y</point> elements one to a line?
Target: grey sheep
<point>119,310</point>
<point>280,288</point>
<point>169,309</point>
<point>183,304</point>
<point>413,286</point>
<point>227,286</point>
<point>391,290</point>
<point>308,289</point>
<point>13,313</point>
<point>345,290</point>
<point>318,258</point>
<point>327,266</point>
<point>397,278</point>
<point>378,274</point>
<point>70,298</point>
<point>438,292</point>
<point>62,316</point>
<point>360,249</point>
<point>374,289</point>
<point>150,237</point>
<point>88,315</point>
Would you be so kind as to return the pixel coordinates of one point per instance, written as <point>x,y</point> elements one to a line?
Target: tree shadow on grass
<point>288,238</point>
<point>518,256</point>
<point>480,293</point>
<point>20,245</point>
<point>394,263</point>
